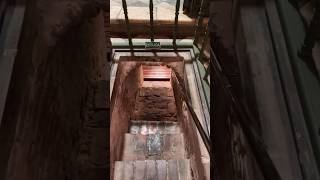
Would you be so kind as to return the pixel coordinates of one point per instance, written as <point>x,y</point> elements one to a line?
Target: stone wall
<point>58,73</point>
<point>155,104</point>
<point>126,87</point>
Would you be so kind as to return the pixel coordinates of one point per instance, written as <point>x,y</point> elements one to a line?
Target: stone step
<point>153,170</point>
<point>151,127</point>
<point>153,146</point>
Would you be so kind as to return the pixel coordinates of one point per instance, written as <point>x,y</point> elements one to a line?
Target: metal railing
<point>151,20</point>
<point>175,32</point>
<point>182,90</point>
<point>199,23</point>
<point>125,11</point>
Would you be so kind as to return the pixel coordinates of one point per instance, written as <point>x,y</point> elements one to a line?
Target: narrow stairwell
<point>154,147</point>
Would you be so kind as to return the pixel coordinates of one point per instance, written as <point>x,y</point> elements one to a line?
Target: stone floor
<point>139,10</point>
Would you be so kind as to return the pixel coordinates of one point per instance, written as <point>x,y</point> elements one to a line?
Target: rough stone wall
<point>125,89</point>
<point>155,104</point>
<point>60,61</point>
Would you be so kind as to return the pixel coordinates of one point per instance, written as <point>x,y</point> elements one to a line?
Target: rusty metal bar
<point>204,43</point>
<point>125,10</point>
<point>195,118</point>
<point>175,31</point>
<point>203,47</point>
<point>199,21</point>
<point>151,20</point>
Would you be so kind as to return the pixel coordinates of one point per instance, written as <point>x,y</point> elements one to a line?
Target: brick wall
<point>155,104</point>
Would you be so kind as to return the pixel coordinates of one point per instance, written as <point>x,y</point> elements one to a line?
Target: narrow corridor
<point>154,147</point>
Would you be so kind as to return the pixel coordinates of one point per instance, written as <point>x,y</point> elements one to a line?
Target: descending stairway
<point>153,150</point>
<point>154,147</point>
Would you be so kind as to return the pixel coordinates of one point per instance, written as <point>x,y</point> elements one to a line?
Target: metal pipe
<point>204,43</point>
<point>199,21</point>
<point>175,31</point>
<point>203,47</point>
<point>125,10</point>
<point>151,20</point>
<point>195,118</point>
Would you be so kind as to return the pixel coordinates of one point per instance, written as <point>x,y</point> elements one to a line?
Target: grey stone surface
<point>137,147</point>
<point>101,100</point>
<point>152,127</point>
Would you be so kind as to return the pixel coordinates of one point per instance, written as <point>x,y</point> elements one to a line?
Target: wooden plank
<point>173,147</point>
<point>118,170</point>
<point>134,147</point>
<point>128,170</point>
<point>184,169</point>
<point>162,169</point>
<point>151,173</point>
<point>172,170</point>
<point>140,170</point>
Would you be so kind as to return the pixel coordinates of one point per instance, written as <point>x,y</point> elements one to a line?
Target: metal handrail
<point>259,149</point>
<point>125,11</point>
<point>199,21</point>
<point>151,20</point>
<point>175,30</point>
<point>195,118</point>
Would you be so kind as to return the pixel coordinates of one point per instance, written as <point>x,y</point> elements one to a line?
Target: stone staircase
<point>153,150</point>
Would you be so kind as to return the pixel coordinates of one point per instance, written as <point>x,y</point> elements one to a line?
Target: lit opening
<point>156,73</point>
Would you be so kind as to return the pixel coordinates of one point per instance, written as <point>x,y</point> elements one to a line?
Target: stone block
<point>99,147</point>
<point>93,174</point>
<point>101,96</point>
<point>98,119</point>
